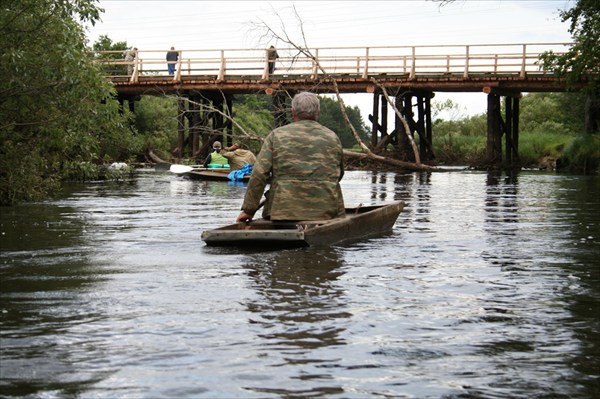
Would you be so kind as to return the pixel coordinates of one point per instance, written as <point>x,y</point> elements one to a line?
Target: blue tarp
<point>238,175</point>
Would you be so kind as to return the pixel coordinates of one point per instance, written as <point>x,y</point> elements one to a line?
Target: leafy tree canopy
<point>582,60</point>
<point>331,116</point>
<point>56,111</point>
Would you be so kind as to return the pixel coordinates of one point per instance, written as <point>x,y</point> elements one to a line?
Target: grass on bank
<point>579,154</point>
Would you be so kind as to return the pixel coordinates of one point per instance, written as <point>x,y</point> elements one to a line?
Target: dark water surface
<point>488,287</point>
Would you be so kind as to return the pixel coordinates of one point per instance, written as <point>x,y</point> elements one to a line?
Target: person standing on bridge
<point>304,163</point>
<point>272,56</point>
<point>172,58</point>
<point>130,57</point>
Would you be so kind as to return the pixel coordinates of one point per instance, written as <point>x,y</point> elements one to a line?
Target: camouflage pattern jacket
<point>238,158</point>
<point>304,161</point>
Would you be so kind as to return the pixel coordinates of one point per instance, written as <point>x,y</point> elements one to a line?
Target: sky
<point>196,24</point>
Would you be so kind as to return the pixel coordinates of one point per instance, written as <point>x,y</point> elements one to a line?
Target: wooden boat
<point>201,173</point>
<point>213,174</point>
<point>359,222</point>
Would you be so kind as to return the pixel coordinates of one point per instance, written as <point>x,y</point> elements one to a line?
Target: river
<point>487,287</point>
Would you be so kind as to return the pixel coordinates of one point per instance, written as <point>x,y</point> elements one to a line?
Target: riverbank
<point>577,155</point>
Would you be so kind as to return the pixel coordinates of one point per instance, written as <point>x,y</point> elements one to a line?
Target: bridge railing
<point>359,62</point>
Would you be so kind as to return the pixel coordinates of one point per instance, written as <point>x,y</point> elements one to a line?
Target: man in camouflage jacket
<point>304,162</point>
<point>238,157</point>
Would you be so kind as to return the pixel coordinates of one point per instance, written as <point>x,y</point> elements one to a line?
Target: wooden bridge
<point>407,72</point>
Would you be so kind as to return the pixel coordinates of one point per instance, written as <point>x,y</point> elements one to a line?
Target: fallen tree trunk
<point>155,158</point>
<point>390,161</point>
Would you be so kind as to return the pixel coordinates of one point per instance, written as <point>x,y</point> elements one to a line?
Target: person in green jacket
<point>215,157</point>
<point>304,163</point>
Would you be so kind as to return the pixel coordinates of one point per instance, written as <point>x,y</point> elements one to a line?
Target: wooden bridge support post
<point>494,131</point>
<point>403,145</point>
<point>180,126</point>
<point>515,127</point>
<point>379,122</point>
<point>375,120</point>
<point>217,120</point>
<point>194,122</point>
<point>511,106</point>
<point>131,99</point>
<point>204,119</point>
<point>384,118</point>
<point>228,128</point>
<point>428,127</point>
<point>422,126</point>
<point>497,127</point>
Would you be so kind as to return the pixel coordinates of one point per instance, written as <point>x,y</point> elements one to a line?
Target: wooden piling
<point>180,126</point>
<point>494,132</point>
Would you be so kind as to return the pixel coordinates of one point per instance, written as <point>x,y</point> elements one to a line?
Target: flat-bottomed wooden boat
<point>216,174</point>
<point>359,222</point>
<point>200,173</point>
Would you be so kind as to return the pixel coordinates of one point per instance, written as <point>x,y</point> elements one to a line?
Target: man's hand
<point>244,217</point>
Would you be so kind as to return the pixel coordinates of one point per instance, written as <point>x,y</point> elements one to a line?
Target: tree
<point>558,113</point>
<point>303,50</point>
<point>57,112</point>
<point>581,63</point>
<point>331,116</point>
<point>104,43</point>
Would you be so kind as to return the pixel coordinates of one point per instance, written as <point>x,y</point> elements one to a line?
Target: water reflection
<point>489,286</point>
<point>300,314</point>
<point>501,217</point>
<point>391,186</point>
<point>501,197</point>
<point>45,274</point>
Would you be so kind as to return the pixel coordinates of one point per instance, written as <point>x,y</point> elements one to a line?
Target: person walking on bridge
<point>172,58</point>
<point>304,163</point>
<point>272,56</point>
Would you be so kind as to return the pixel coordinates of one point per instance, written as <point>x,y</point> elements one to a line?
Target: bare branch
<point>210,108</point>
<point>304,50</point>
<point>402,119</point>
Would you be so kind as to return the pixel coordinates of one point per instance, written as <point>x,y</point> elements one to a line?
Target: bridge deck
<point>464,68</point>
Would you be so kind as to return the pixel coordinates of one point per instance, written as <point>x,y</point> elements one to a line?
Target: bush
<point>536,146</point>
<point>582,155</point>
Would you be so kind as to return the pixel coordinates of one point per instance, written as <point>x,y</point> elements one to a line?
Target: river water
<point>487,287</point>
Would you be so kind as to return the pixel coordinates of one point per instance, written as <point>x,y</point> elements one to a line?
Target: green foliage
<point>56,108</point>
<point>548,123</point>
<point>79,170</point>
<point>156,124</point>
<point>104,43</point>
<point>331,117</point>
<point>538,146</point>
<point>560,113</point>
<point>583,58</point>
<point>253,113</point>
<point>582,155</point>
<point>455,148</point>
<point>471,126</point>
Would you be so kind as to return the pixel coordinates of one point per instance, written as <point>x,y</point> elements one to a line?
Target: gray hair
<point>306,105</point>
